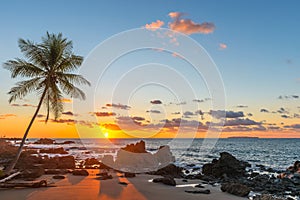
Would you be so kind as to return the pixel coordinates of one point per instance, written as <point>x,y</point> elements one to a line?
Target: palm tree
<point>48,67</point>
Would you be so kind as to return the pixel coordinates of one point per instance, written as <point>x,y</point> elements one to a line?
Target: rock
<point>105,177</point>
<point>129,175</point>
<point>123,183</point>
<point>81,172</point>
<point>107,162</point>
<point>32,173</point>
<point>199,186</point>
<point>266,197</point>
<point>235,189</point>
<point>44,141</point>
<point>198,191</point>
<point>165,180</point>
<point>55,171</point>
<point>184,180</point>
<point>54,151</point>
<point>58,177</point>
<point>91,161</point>
<point>170,170</point>
<point>102,174</point>
<point>164,156</point>
<point>139,147</point>
<point>227,165</point>
<point>65,142</point>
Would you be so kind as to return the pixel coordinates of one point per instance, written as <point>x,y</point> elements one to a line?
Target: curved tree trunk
<point>14,162</point>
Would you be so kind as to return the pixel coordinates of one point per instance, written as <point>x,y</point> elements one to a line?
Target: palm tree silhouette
<point>48,67</point>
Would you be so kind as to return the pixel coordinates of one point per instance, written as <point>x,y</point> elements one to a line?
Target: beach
<point>89,188</point>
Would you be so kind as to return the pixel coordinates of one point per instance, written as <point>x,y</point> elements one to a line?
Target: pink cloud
<point>187,26</point>
<point>154,25</point>
<point>222,46</point>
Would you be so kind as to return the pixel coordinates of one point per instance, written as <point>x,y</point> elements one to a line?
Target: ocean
<point>193,153</point>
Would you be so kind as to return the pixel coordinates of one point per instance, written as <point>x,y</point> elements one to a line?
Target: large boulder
<point>91,161</point>
<point>32,173</point>
<point>139,147</point>
<point>81,172</point>
<point>165,180</point>
<point>64,162</point>
<point>235,189</point>
<point>227,165</point>
<point>170,170</point>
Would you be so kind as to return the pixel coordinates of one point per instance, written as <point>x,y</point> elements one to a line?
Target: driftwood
<point>9,177</point>
<point>35,184</point>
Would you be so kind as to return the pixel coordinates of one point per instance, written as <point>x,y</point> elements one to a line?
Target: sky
<point>253,44</point>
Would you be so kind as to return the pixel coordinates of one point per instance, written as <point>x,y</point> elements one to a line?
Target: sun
<point>106,134</point>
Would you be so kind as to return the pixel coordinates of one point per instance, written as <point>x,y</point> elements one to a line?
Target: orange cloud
<point>222,46</point>
<point>187,26</point>
<point>65,100</point>
<point>113,127</point>
<point>3,116</point>
<point>154,25</point>
<point>104,114</point>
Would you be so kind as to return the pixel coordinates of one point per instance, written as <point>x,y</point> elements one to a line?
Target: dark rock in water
<point>65,142</point>
<point>129,175</point>
<point>184,180</point>
<point>266,197</point>
<point>91,161</point>
<point>103,166</point>
<point>139,147</point>
<point>54,151</point>
<point>170,170</point>
<point>32,173</point>
<point>81,172</point>
<point>58,177</point>
<point>165,180</point>
<point>235,189</point>
<point>44,141</point>
<point>198,191</point>
<point>226,165</point>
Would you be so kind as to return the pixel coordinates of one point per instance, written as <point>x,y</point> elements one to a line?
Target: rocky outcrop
<point>227,165</point>
<point>165,180</point>
<point>81,172</point>
<point>235,189</point>
<point>139,147</point>
<point>54,151</point>
<point>134,158</point>
<point>44,141</point>
<point>170,170</point>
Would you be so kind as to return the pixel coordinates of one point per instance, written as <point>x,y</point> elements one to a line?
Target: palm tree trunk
<point>14,162</point>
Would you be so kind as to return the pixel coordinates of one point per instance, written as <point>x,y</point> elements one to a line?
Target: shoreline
<point>89,188</point>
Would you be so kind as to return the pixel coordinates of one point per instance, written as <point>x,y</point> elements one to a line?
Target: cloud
<point>242,106</point>
<point>111,127</point>
<point>188,114</point>
<point>154,25</point>
<point>68,113</point>
<point>181,103</point>
<point>138,118</point>
<point>4,116</point>
<point>244,122</point>
<point>104,114</point>
<point>66,100</point>
<point>119,106</point>
<point>176,113</point>
<point>285,116</point>
<point>222,46</point>
<point>263,110</point>
<point>153,111</point>
<point>293,126</point>
<point>249,114</point>
<point>282,97</point>
<point>228,114</point>
<point>156,101</point>
<point>282,111</point>
<point>187,26</point>
<point>22,105</point>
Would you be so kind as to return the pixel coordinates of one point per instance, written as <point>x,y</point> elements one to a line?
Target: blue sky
<point>260,63</point>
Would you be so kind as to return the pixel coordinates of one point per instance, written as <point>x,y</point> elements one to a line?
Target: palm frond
<point>23,88</point>
<point>71,89</point>
<point>70,63</point>
<point>20,67</point>
<point>73,78</point>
